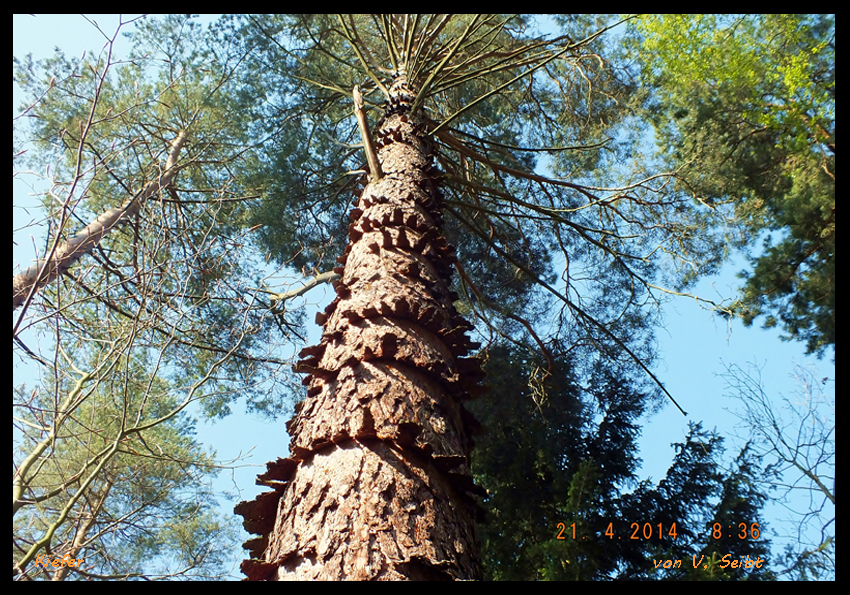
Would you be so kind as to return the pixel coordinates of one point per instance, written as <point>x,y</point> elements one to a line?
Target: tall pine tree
<point>377,483</point>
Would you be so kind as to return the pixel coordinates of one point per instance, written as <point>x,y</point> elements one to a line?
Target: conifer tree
<point>377,484</point>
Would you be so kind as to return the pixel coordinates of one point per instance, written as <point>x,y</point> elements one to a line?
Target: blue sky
<point>695,346</point>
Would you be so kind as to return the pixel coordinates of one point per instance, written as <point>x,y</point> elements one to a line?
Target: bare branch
<point>326,277</point>
<point>371,155</point>
<point>65,256</point>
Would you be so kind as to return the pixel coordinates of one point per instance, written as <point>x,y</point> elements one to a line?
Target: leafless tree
<point>797,441</point>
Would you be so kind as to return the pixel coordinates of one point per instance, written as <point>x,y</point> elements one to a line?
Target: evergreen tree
<point>744,107</point>
<point>109,481</point>
<point>559,462</point>
<point>151,328</point>
<point>439,126</point>
<point>377,484</point>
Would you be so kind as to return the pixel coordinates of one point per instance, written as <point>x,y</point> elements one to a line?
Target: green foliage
<point>502,100</point>
<point>187,261</point>
<point>123,484</point>
<point>160,312</point>
<point>744,107</point>
<point>567,461</point>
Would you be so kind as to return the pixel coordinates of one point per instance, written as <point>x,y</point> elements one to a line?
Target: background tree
<point>110,475</point>
<point>154,327</point>
<point>744,108</point>
<point>557,457</point>
<point>799,442</point>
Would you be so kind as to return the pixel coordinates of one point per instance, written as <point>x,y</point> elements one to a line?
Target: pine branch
<point>358,46</point>
<point>279,298</point>
<point>371,155</point>
<point>574,307</point>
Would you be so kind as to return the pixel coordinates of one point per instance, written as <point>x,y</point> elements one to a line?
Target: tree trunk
<point>377,485</point>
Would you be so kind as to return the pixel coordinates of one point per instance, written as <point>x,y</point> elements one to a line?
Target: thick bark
<point>377,485</point>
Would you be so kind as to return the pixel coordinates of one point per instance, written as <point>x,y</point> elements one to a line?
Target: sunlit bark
<point>377,485</point>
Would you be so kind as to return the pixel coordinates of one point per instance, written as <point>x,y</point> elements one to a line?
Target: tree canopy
<point>570,228</point>
<point>559,462</point>
<point>744,106</point>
